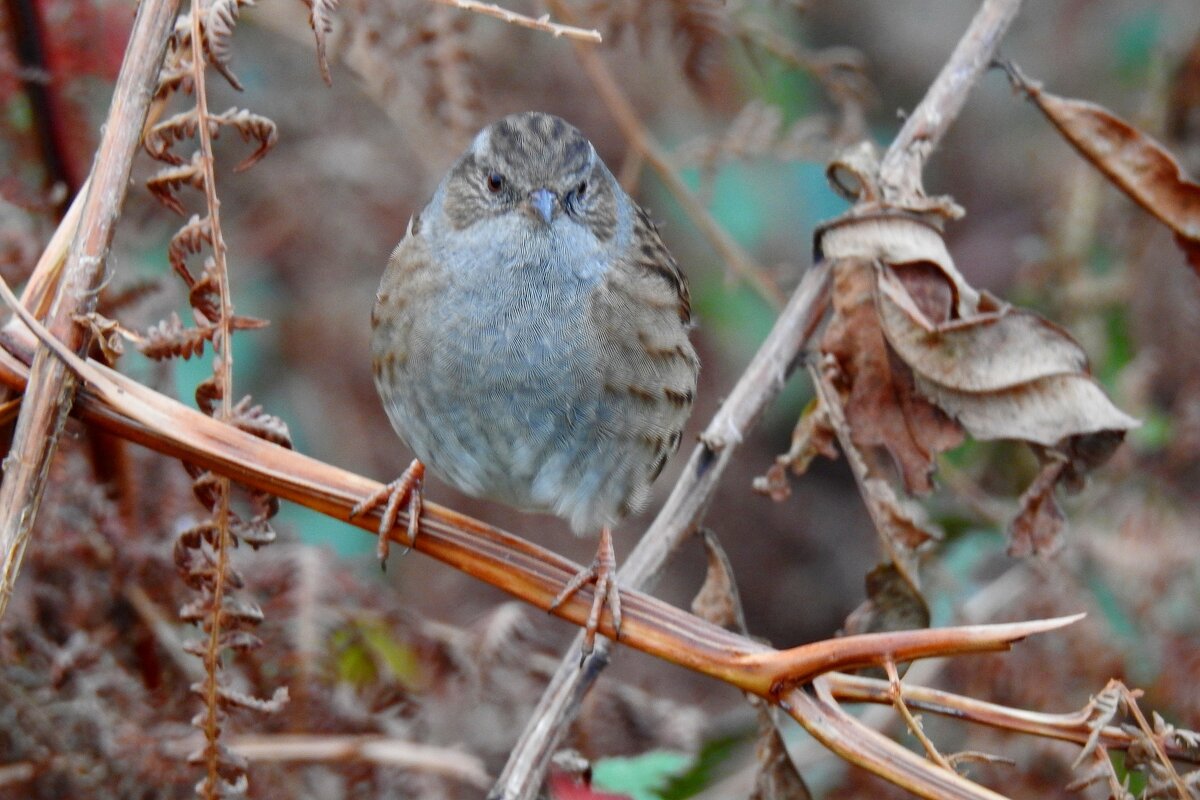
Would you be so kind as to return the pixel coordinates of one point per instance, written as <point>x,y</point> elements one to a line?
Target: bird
<point>530,341</point>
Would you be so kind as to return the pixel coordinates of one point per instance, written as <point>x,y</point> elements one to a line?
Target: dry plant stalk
<point>41,418</point>
<point>202,552</point>
<point>542,23</point>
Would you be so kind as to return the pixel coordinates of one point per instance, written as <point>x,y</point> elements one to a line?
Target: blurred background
<point>749,99</point>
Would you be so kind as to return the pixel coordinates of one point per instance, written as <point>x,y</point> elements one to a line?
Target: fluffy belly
<point>512,407</point>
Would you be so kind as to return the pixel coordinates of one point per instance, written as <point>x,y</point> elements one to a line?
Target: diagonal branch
<point>45,410</point>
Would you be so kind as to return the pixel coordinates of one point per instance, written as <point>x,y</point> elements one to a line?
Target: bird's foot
<point>406,487</point>
<point>603,573</point>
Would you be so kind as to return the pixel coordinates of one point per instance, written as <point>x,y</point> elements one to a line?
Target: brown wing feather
<point>652,373</point>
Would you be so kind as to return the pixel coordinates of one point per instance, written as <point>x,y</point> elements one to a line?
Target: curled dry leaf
<point>923,357</point>
<point>882,406</point>
<point>320,19</point>
<point>1138,165</point>
<point>1004,373</point>
<point>1039,523</point>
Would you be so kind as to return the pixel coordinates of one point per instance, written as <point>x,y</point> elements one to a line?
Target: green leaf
<point>699,775</point>
<point>640,777</point>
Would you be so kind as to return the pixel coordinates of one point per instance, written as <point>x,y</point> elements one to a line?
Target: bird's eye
<point>495,182</point>
<point>581,190</point>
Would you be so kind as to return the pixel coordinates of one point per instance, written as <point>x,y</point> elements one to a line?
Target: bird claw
<point>602,573</point>
<point>407,486</point>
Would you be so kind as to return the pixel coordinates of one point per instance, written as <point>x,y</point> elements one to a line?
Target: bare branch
<point>541,23</point>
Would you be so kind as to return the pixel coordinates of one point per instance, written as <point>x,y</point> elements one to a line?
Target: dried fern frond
<point>166,183</point>
<point>409,53</point>
<point>254,420</point>
<point>699,27</point>
<point>219,22</point>
<point>320,19</point>
<point>162,138</point>
<point>170,338</point>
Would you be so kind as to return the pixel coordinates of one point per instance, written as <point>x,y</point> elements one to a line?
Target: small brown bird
<point>530,338</point>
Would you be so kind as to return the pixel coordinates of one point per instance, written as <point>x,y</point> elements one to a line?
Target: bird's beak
<point>542,201</point>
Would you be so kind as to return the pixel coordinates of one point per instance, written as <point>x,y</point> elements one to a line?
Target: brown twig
<point>896,690</point>
<point>45,409</point>
<point>901,168</point>
<point>1072,727</point>
<point>542,23</point>
<point>828,722</point>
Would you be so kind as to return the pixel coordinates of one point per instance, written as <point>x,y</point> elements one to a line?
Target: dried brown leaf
<point>107,334</point>
<point>166,183</point>
<point>187,241</point>
<point>984,352</point>
<point>241,610</point>
<point>1138,165</point>
<point>320,19</point>
<point>1037,528</point>
<point>813,436</point>
<point>718,601</point>
<point>218,30</point>
<point>1006,374</point>
<point>161,139</point>
<point>263,705</point>
<point>170,338</point>
<point>777,777</point>
<point>252,128</point>
<point>254,420</point>
<point>904,521</point>
<point>892,604</point>
<point>882,407</point>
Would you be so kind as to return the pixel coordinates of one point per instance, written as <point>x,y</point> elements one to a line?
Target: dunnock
<point>530,339</point>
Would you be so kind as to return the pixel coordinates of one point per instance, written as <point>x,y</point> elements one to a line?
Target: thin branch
<point>365,748</point>
<point>1071,727</point>
<point>45,409</point>
<point>896,690</point>
<point>845,735</point>
<point>902,165</point>
<point>542,23</point>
